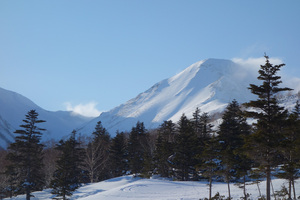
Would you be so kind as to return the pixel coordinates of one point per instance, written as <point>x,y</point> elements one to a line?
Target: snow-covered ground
<point>127,187</point>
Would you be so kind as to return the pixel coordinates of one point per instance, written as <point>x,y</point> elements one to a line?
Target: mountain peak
<point>207,84</point>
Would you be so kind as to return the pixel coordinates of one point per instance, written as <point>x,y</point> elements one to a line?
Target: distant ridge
<point>14,107</point>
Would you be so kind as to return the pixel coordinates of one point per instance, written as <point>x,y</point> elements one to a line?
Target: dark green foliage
<point>25,156</point>
<point>197,126</point>
<point>118,155</point>
<point>231,134</point>
<point>290,150</point>
<point>185,150</point>
<point>211,163</point>
<point>164,148</point>
<point>204,134</point>
<point>68,175</point>
<point>137,147</point>
<point>206,127</point>
<point>264,143</point>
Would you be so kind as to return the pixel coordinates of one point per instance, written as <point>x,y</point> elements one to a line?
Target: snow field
<point>128,187</point>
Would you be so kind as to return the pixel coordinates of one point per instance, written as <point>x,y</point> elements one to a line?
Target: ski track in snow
<point>127,187</point>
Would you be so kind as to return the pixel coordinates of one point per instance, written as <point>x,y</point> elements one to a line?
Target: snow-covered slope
<point>209,84</point>
<point>131,188</point>
<point>14,107</point>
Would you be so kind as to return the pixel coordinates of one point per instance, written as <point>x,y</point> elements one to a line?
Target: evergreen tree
<point>118,155</point>
<point>231,134</point>
<point>290,167</point>
<point>210,166</point>
<point>203,131</point>
<point>97,154</point>
<point>26,157</point>
<point>164,148</point>
<point>270,120</point>
<point>196,122</point>
<point>206,127</point>
<point>136,148</point>
<point>185,149</point>
<point>67,177</point>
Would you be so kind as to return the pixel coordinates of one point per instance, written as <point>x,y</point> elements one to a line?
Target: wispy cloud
<point>88,109</point>
<point>249,71</point>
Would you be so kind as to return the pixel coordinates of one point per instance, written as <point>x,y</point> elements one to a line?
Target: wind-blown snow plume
<point>88,109</point>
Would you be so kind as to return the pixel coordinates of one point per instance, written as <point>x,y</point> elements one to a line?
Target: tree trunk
<point>228,186</point>
<point>245,195</point>
<point>268,187</point>
<point>273,189</point>
<point>210,186</point>
<point>257,183</point>
<point>293,183</point>
<point>290,189</point>
<point>27,196</point>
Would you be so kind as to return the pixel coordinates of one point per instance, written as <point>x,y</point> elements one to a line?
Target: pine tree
<point>206,127</point>
<point>203,131</point>
<point>118,155</point>
<point>196,122</point>
<point>231,134</point>
<point>290,167</point>
<point>270,120</point>
<point>136,148</point>
<point>164,148</point>
<point>211,163</point>
<point>26,156</point>
<point>97,154</point>
<point>67,177</point>
<point>185,149</point>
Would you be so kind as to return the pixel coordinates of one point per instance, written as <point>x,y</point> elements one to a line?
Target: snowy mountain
<point>14,107</point>
<point>209,84</point>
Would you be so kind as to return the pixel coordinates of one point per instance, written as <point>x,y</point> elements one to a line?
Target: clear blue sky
<point>71,52</point>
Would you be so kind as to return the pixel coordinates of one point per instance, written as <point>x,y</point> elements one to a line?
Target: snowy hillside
<point>209,84</point>
<point>14,107</point>
<point>154,189</point>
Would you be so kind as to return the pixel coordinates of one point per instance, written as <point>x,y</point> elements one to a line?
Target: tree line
<point>191,149</point>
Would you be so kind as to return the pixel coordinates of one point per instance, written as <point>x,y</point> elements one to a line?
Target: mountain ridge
<point>202,85</point>
<point>14,107</point>
<point>208,84</point>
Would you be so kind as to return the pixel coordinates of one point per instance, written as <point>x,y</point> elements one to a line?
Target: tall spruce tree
<point>26,156</point>
<point>118,155</point>
<point>164,148</point>
<point>231,134</point>
<point>289,170</point>
<point>211,162</point>
<point>97,154</point>
<point>270,118</point>
<point>203,130</point>
<point>136,148</point>
<point>67,177</point>
<point>196,122</point>
<point>184,160</point>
